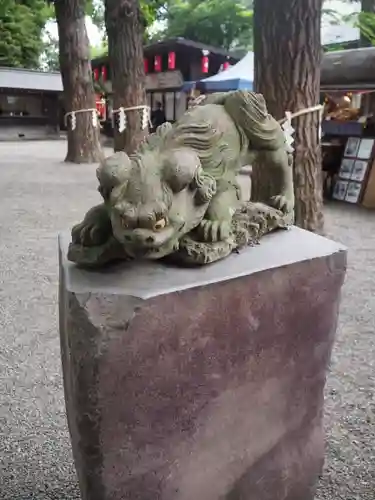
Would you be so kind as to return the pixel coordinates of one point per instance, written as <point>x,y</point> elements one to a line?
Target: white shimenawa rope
<point>94,117</point>
<point>145,110</point>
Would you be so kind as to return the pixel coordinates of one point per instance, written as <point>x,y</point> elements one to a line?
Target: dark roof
<point>353,67</point>
<point>171,43</point>
<point>28,79</point>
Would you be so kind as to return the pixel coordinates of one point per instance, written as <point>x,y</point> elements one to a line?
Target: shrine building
<point>168,65</point>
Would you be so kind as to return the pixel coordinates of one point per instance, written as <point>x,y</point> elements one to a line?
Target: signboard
<point>165,80</point>
<point>157,81</point>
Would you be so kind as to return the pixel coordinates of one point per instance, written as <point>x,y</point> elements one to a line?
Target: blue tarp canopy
<point>239,76</point>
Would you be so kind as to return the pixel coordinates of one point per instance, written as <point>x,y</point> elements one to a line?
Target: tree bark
<point>125,49</point>
<point>75,66</point>
<point>287,72</point>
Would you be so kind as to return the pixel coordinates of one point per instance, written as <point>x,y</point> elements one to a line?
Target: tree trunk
<point>125,49</point>
<point>83,141</point>
<point>287,72</point>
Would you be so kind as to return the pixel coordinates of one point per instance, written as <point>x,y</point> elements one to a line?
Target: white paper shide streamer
<point>94,117</point>
<point>320,129</point>
<point>288,132</point>
<point>73,117</point>
<point>122,121</point>
<point>286,124</point>
<point>145,117</point>
<point>73,121</point>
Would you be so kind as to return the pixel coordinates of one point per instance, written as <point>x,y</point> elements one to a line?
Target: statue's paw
<point>281,202</point>
<point>213,231</point>
<point>89,234</point>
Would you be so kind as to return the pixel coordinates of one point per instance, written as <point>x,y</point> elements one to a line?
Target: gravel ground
<point>39,196</point>
<point>350,394</point>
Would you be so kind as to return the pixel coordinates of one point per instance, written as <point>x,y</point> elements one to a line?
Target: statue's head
<point>154,198</point>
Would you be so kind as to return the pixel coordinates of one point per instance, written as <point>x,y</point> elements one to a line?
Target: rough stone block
<point>201,384</point>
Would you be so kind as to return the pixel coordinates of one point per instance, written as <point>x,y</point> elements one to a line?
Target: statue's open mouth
<point>154,246</point>
<point>140,252</point>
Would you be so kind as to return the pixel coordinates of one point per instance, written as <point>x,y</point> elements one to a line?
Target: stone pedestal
<point>201,384</point>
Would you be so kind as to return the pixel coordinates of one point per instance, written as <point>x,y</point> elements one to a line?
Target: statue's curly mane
<point>249,115</point>
<point>208,142</point>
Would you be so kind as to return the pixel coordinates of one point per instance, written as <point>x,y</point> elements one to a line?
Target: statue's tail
<point>249,112</point>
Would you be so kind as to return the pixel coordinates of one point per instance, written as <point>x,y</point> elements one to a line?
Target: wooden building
<point>168,64</point>
<point>348,87</point>
<point>30,103</point>
<point>348,70</point>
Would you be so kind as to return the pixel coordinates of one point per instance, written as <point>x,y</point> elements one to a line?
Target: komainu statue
<point>177,196</point>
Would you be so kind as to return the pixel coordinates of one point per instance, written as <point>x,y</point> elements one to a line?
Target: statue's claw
<point>88,235</point>
<point>76,233</point>
<point>281,202</point>
<point>213,231</point>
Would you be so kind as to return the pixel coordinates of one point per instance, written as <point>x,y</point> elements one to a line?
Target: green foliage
<point>49,60</point>
<point>99,50</point>
<point>364,20</point>
<point>149,9</point>
<point>222,23</point>
<point>95,9</point>
<point>21,27</point>
<point>366,24</point>
<point>334,47</point>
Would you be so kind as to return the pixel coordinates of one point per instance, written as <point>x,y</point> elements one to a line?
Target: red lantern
<point>157,63</point>
<point>172,60</point>
<point>96,74</point>
<point>145,65</point>
<point>100,106</point>
<point>225,65</point>
<point>205,62</point>
<point>104,73</point>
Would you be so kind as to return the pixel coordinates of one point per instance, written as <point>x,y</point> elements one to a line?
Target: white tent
<point>239,76</point>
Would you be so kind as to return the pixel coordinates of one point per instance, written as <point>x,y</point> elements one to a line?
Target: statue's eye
<point>160,224</point>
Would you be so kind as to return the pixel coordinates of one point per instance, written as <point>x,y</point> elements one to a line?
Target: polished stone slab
<point>149,279</point>
<point>206,383</point>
